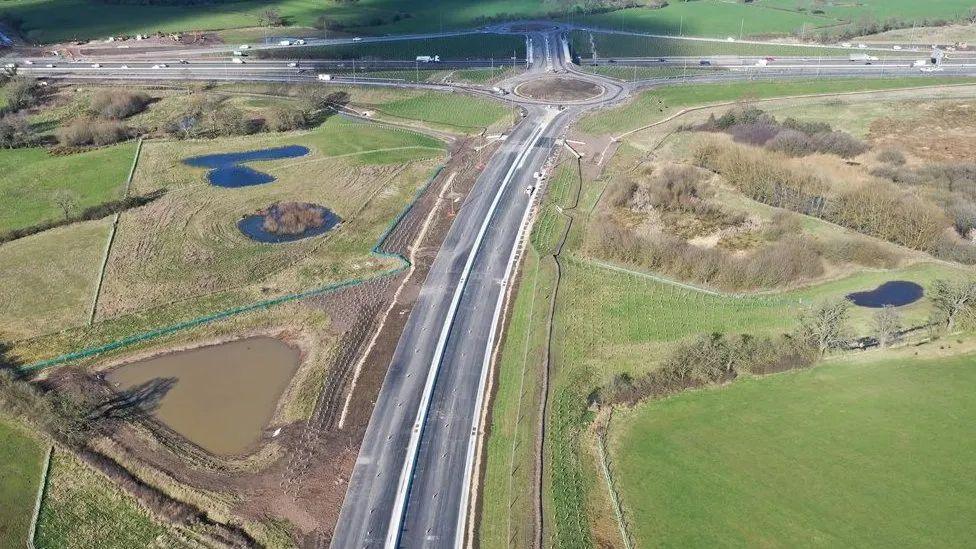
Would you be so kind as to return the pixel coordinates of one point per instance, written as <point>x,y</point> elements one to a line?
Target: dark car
<point>705,63</point>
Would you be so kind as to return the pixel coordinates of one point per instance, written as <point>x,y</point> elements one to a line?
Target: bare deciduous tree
<point>67,200</point>
<point>887,326</point>
<point>826,325</point>
<point>951,300</point>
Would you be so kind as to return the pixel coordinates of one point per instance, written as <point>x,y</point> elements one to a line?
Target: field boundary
<point>601,447</point>
<point>39,499</point>
<point>547,360</point>
<point>264,304</point>
<point>111,236</point>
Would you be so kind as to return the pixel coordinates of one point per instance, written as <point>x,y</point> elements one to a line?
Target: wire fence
<point>377,250</point>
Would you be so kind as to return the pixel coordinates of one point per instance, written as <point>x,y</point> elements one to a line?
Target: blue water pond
<point>227,169</point>
<point>253,227</point>
<point>895,294</point>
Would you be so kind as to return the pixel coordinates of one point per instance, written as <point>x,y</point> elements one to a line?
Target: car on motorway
<point>28,62</point>
<point>96,65</point>
<point>705,63</point>
<point>49,66</point>
<point>160,66</point>
<point>124,67</point>
<point>293,64</point>
<point>357,39</point>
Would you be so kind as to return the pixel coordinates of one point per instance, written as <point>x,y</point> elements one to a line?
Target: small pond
<point>228,170</point>
<point>220,397</point>
<point>895,294</point>
<point>255,227</point>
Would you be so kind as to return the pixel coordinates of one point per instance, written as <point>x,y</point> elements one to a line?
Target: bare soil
<point>559,88</point>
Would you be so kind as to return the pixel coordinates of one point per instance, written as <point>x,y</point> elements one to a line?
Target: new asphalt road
<point>411,485</point>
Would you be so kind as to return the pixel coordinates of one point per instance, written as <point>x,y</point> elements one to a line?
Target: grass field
<point>449,48</point>
<point>49,279</point>
<point>716,18</point>
<point>609,45</point>
<point>449,111</point>
<point>32,176</point>
<point>852,453</point>
<point>610,322</point>
<point>635,73</point>
<point>56,20</point>
<point>186,244</point>
<point>81,509</point>
<point>21,460</point>
<point>654,105</point>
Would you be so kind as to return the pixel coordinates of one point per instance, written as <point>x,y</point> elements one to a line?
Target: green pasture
<point>49,279</point>
<point>21,460</point>
<point>450,48</point>
<point>59,20</point>
<point>852,453</point>
<point>82,509</point>
<point>609,45</point>
<point>32,176</point>
<point>656,104</point>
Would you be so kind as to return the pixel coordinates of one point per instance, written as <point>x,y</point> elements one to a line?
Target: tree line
<point>718,358</point>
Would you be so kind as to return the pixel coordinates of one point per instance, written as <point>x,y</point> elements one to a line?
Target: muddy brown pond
<point>220,397</point>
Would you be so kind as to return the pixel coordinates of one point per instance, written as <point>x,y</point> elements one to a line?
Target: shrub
<point>792,143</point>
<point>706,360</point>
<point>291,218</point>
<point>963,213</point>
<point>860,251</point>
<point>118,104</point>
<point>15,131</point>
<point>21,93</point>
<point>891,156</point>
<point>842,144</point>
<point>82,132</point>
<point>282,119</point>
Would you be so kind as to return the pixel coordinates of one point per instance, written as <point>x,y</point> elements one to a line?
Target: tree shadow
<point>10,363</point>
<point>139,401</point>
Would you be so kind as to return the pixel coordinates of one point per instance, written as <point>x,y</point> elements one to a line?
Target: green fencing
<point>265,304</point>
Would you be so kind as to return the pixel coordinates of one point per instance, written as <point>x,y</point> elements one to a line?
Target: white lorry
<point>428,58</point>
<point>862,57</point>
<point>325,77</point>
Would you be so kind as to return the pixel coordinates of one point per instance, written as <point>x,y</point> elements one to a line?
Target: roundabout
<point>559,89</point>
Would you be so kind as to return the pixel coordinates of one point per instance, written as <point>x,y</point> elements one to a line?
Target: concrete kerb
<point>39,499</point>
<point>265,304</point>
